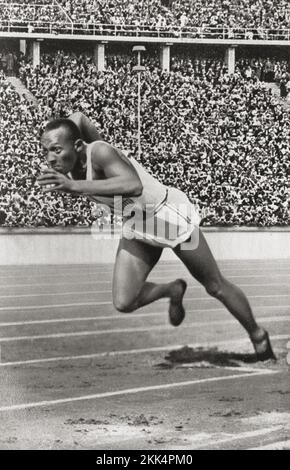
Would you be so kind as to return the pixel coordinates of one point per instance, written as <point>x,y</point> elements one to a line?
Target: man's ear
<point>79,145</point>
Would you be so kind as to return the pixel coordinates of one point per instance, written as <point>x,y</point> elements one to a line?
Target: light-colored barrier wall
<point>78,246</point>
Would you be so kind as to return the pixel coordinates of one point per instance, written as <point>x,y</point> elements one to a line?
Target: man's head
<point>62,144</point>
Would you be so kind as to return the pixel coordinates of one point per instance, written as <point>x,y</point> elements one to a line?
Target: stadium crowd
<point>22,201</point>
<point>170,15</point>
<point>224,140</point>
<point>39,13</point>
<point>268,70</point>
<point>273,14</point>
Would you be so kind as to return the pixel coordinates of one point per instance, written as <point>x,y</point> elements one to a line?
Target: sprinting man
<point>80,162</point>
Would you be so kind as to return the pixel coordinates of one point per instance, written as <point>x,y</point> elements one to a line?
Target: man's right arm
<point>89,132</point>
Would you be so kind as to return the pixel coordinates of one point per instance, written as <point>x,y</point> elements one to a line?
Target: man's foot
<point>176,309</point>
<point>263,346</point>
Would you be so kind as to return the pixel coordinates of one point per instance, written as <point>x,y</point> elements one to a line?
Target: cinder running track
<point>76,374</point>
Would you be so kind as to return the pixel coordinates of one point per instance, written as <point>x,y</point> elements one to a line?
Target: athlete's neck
<point>80,168</point>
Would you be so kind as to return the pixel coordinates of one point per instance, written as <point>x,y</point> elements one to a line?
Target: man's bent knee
<point>215,289</point>
<point>123,306</point>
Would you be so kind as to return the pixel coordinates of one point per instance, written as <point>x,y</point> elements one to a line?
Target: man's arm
<point>120,177</point>
<point>89,132</point>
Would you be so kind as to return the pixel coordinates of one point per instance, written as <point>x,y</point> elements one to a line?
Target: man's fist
<point>51,180</point>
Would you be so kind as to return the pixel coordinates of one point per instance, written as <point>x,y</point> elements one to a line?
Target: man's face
<point>60,150</point>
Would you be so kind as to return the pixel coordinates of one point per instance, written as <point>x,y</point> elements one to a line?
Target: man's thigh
<point>134,261</point>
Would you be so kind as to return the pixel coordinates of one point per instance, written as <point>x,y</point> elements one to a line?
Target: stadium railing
<point>97,29</point>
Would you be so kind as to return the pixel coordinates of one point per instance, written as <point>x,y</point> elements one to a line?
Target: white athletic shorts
<point>173,222</point>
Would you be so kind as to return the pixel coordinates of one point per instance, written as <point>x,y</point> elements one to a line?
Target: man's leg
<point>203,267</point>
<point>134,261</point>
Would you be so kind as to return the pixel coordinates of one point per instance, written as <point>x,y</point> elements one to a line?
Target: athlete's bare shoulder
<point>104,153</point>
<point>101,149</point>
<point>101,145</point>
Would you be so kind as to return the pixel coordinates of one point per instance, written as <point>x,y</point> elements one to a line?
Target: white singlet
<point>162,216</point>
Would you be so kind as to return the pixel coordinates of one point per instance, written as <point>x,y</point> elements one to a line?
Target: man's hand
<point>51,180</point>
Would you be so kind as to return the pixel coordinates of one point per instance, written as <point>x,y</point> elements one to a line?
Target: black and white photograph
<point>144,227</point>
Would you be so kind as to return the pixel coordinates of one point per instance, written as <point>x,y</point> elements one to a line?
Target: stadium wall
<point>81,246</point>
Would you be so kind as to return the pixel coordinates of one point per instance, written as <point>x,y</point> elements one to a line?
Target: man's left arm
<point>120,177</point>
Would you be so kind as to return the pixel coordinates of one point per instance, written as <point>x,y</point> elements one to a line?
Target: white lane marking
<point>208,344</point>
<point>133,315</point>
<point>136,316</point>
<point>162,265</point>
<point>232,276</point>
<point>140,329</point>
<point>95,272</point>
<point>237,437</point>
<point>131,391</point>
<point>280,445</point>
<point>151,278</point>
<point>40,307</point>
<point>85,304</point>
<point>50,284</point>
<point>53,294</point>
<point>50,294</point>
<point>122,316</point>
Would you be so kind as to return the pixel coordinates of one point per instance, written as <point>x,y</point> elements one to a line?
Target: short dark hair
<point>70,126</point>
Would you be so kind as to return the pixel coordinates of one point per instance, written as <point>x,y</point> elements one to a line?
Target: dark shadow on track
<point>207,357</point>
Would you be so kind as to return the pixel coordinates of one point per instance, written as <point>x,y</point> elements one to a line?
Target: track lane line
<point>198,443</point>
<point>136,316</point>
<point>238,437</point>
<point>86,304</point>
<point>278,445</point>
<point>140,329</point>
<point>88,282</point>
<point>133,391</point>
<point>109,291</point>
<point>197,310</point>
<point>40,307</point>
<point>207,344</point>
<point>244,264</point>
<point>102,272</point>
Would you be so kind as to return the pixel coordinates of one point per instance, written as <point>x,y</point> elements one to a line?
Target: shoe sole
<point>177,319</point>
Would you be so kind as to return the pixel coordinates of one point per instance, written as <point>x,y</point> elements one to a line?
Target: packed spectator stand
<point>220,19</point>
<point>223,139</point>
